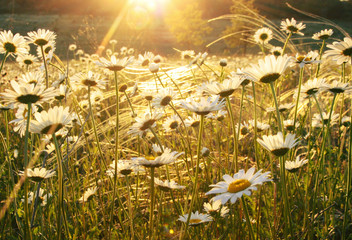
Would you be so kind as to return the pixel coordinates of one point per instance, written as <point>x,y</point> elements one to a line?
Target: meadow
<point>124,143</point>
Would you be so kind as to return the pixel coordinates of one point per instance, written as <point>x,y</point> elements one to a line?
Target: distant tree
<point>239,7</point>
<point>188,26</point>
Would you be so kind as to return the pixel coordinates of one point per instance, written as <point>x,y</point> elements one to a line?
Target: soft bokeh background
<point>154,25</point>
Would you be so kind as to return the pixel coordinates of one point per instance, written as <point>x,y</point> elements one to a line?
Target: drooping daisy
<point>203,106</point>
<point>48,48</point>
<point>213,207</point>
<point>244,130</point>
<point>294,166</point>
<point>154,67</point>
<point>277,145</point>
<point>63,92</point>
<point>51,121</point>
<point>263,35</point>
<point>346,121</point>
<point>12,44</point>
<point>193,121</point>
<point>172,123</point>
<point>124,168</point>
<point>167,185</point>
<point>195,219</point>
<point>309,58</point>
<point>341,52</point>
<point>269,69</point>
<point>165,158</point>
<point>28,94</point>
<point>89,79</point>
<point>39,174</point>
<point>290,126</point>
<point>42,197</point>
<point>291,26</point>
<point>26,59</point>
<point>114,64</point>
<point>21,119</point>
<point>187,54</point>
<point>223,89</point>
<point>144,123</point>
<point>240,184</point>
<point>337,87</point>
<point>41,37</point>
<point>323,34</point>
<point>163,98</point>
<point>157,149</point>
<point>88,194</point>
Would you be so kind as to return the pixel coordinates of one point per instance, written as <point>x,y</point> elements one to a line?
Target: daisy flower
<point>51,121</point>
<point>223,89</point>
<point>28,94</point>
<point>124,168</point>
<point>240,184</point>
<point>219,115</point>
<point>289,125</point>
<point>167,185</point>
<point>26,59</point>
<point>163,98</point>
<point>269,69</point>
<point>12,44</point>
<point>32,78</point>
<point>276,51</point>
<point>323,34</point>
<point>41,37</point>
<point>172,123</point>
<point>145,59</point>
<point>63,92</point>
<point>277,145</point>
<point>312,87</point>
<point>346,121</point>
<point>291,26</point>
<point>157,149</point>
<point>114,64</point>
<point>88,79</point>
<point>213,207</point>
<point>337,87</point>
<point>293,166</point>
<point>310,57</point>
<point>196,218</point>
<point>154,67</point>
<point>282,108</point>
<point>244,129</point>
<point>88,194</point>
<point>318,122</point>
<point>165,158</point>
<point>263,35</point>
<point>187,54</point>
<point>144,123</point>
<point>48,48</point>
<point>340,52</point>
<point>21,119</point>
<point>260,126</point>
<point>42,197</point>
<point>193,121</point>
<point>203,106</point>
<point>39,174</point>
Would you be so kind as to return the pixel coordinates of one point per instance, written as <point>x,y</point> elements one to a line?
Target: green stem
<point>255,125</point>
<point>3,61</point>
<point>235,145</point>
<point>60,183</point>
<point>151,214</point>
<point>248,220</point>
<point>301,71</point>
<point>195,186</point>
<point>45,66</point>
<point>95,129</point>
<point>286,42</point>
<point>276,106</point>
<point>130,207</point>
<point>320,55</point>
<point>27,231</point>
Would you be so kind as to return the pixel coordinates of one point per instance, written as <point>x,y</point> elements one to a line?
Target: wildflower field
<point>124,143</point>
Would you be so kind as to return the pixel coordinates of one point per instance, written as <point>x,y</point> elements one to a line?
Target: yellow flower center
<point>150,158</point>
<point>238,185</point>
<point>195,221</point>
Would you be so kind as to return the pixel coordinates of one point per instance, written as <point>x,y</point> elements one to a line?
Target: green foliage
<point>188,26</point>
